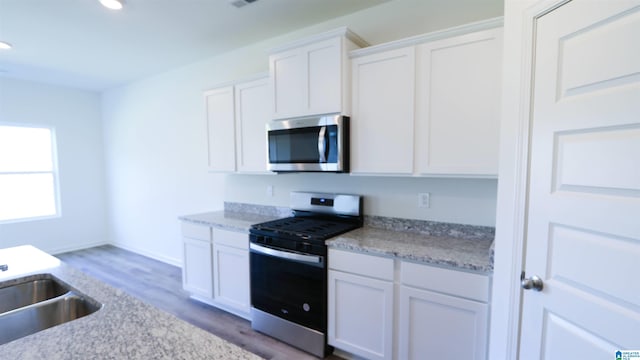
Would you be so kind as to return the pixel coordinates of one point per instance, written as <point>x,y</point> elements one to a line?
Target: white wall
<point>155,141</point>
<point>462,201</point>
<point>76,116</point>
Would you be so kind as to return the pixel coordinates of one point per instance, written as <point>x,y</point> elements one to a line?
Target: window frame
<point>55,171</point>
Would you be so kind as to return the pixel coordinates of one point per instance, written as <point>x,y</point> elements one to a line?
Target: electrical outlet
<point>269,190</point>
<point>424,200</point>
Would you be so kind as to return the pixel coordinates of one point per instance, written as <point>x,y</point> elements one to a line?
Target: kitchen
<point>132,158</point>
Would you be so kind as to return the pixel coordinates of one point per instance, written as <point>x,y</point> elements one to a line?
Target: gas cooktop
<point>307,228</point>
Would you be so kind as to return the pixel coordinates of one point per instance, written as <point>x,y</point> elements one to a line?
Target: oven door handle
<point>311,259</point>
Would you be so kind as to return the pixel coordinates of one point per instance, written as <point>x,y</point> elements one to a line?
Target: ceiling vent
<point>241,3</point>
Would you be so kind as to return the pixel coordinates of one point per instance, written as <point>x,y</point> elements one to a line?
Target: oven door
<point>289,285</point>
<point>308,144</point>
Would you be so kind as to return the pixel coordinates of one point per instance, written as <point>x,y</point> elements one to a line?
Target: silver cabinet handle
<point>322,144</point>
<point>533,283</point>
<point>311,259</point>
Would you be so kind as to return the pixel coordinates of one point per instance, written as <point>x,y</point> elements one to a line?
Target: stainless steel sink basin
<point>38,304</point>
<point>30,292</point>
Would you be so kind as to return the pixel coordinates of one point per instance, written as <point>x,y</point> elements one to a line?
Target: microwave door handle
<point>322,144</point>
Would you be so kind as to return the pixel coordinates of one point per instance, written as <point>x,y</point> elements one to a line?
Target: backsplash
<point>266,210</point>
<point>424,227</point>
<point>431,228</point>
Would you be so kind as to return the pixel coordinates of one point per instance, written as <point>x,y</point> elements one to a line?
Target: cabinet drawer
<point>234,239</point>
<point>458,283</point>
<point>193,231</point>
<point>367,265</point>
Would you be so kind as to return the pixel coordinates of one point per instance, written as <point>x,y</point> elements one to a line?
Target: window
<point>28,173</point>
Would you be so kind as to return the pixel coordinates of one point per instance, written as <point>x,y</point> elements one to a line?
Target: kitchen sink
<point>40,303</point>
<point>29,292</point>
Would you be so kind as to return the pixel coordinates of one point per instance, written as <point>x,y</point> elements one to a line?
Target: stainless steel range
<point>289,268</point>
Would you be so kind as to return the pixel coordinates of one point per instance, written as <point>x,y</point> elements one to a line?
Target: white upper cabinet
<point>429,105</point>
<point>458,104</point>
<point>221,129</point>
<point>383,112</point>
<point>311,76</point>
<point>236,118</point>
<point>252,113</point>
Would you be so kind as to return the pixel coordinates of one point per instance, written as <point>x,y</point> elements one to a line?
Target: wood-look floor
<point>160,285</point>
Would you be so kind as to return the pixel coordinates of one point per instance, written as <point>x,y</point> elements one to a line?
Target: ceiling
<point>80,43</point>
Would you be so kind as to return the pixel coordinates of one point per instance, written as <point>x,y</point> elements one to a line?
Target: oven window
<point>291,290</point>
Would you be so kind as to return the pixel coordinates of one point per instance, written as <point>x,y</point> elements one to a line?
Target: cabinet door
<point>288,76</point>
<point>307,80</point>
<point>383,113</point>
<point>252,113</point>
<point>231,277</point>
<point>360,315</point>
<point>458,104</point>
<point>197,275</point>
<point>437,326</point>
<point>220,129</point>
<point>324,61</point>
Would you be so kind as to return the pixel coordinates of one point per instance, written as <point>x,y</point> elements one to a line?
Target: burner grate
<point>307,228</point>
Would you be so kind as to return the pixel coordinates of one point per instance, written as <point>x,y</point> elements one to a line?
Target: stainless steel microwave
<point>318,143</point>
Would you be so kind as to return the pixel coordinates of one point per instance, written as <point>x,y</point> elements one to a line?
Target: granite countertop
<point>237,216</point>
<point>438,250</point>
<point>125,327</point>
<point>464,247</point>
<point>228,220</point>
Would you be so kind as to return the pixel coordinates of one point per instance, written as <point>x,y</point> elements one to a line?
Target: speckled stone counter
<point>457,246</point>
<point>125,328</point>
<point>237,217</point>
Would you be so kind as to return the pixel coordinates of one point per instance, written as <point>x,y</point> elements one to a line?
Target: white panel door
<point>583,235</point>
<point>221,129</point>
<point>325,76</point>
<point>252,113</point>
<point>197,272</point>
<point>438,326</point>
<point>231,277</point>
<point>361,315</point>
<point>383,113</point>
<point>288,76</point>
<point>458,104</point>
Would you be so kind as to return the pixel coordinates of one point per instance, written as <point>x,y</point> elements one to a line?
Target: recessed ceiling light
<point>112,4</point>
<point>5,45</point>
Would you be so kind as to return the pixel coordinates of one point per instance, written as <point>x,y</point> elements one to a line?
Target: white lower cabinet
<point>440,313</point>
<point>231,271</point>
<point>361,304</point>
<point>197,274</point>
<point>438,326</point>
<point>443,314</point>
<point>361,315</point>
<point>216,267</point>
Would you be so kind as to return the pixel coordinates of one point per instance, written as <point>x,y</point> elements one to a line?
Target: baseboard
<point>345,355</point>
<point>211,302</point>
<point>65,249</point>
<point>164,259</point>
